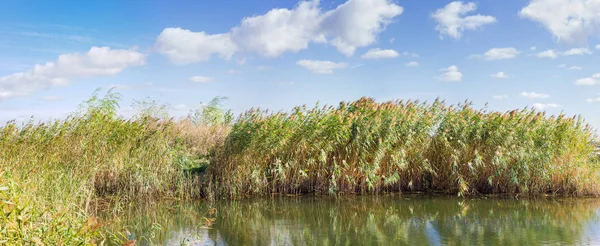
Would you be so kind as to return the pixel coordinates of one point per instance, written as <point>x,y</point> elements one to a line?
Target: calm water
<point>372,220</point>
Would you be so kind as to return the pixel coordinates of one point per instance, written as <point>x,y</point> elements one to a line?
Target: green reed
<point>55,176</point>
<point>370,147</point>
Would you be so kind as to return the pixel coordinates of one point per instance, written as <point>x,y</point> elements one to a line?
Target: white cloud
<point>200,79</point>
<point>547,54</point>
<point>593,80</point>
<point>285,83</point>
<point>498,54</point>
<point>577,51</point>
<point>351,25</point>
<point>571,67</point>
<point>586,81</point>
<point>392,40</point>
<point>598,46</point>
<point>411,54</point>
<point>500,97</point>
<point>451,74</point>
<point>321,66</point>
<point>592,100</point>
<point>280,30</point>
<point>356,23</point>
<point>98,61</point>
<point>533,48</point>
<point>452,20</point>
<point>567,20</point>
<point>412,64</point>
<point>52,98</point>
<point>542,106</point>
<point>500,75</point>
<point>379,54</point>
<point>183,46</point>
<point>534,95</point>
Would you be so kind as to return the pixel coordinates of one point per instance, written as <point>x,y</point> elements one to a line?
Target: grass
<point>57,176</point>
<point>370,147</point>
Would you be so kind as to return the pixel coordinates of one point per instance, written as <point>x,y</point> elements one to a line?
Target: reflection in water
<point>380,220</point>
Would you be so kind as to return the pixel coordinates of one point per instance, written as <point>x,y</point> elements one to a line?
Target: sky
<point>279,54</point>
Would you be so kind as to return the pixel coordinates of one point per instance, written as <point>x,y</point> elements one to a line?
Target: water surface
<point>372,220</point>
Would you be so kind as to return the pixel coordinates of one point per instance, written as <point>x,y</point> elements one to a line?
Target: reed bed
<point>55,176</point>
<point>369,147</point>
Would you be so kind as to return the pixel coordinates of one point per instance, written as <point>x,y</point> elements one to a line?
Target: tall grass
<point>370,147</point>
<point>54,176</point>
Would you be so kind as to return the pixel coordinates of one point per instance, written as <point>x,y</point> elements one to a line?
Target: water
<point>372,220</point>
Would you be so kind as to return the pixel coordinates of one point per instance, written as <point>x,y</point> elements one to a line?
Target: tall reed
<point>370,147</point>
<point>55,175</point>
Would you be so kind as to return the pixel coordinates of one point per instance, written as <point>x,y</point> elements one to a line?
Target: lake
<point>369,220</point>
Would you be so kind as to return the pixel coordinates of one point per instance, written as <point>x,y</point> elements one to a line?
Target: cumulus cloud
<point>567,20</point>
<point>323,67</point>
<point>598,46</point>
<point>452,19</point>
<point>280,30</point>
<point>183,46</point>
<point>593,80</point>
<point>450,74</point>
<point>500,97</point>
<point>547,54</point>
<point>498,54</point>
<point>500,75</point>
<point>577,51</point>
<point>412,64</point>
<point>98,61</point>
<point>353,24</point>
<point>200,79</point>
<point>575,68</point>
<point>356,23</point>
<point>534,95</point>
<point>380,54</point>
<point>533,48</point>
<point>542,106</point>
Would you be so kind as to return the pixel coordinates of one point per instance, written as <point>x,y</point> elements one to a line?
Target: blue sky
<point>279,54</point>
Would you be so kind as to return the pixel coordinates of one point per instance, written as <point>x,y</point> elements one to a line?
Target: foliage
<point>211,113</point>
<point>150,109</point>
<point>365,146</point>
<point>62,172</point>
<point>56,176</point>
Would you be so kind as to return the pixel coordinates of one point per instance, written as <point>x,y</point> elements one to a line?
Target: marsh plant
<point>369,147</point>
<point>55,176</point>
